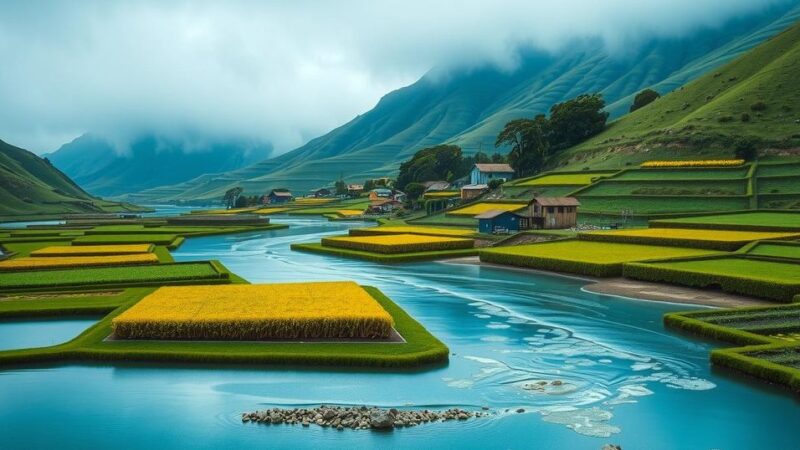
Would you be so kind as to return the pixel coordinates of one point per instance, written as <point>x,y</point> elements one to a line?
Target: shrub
<point>331,310</point>
<point>398,243</point>
<point>758,106</point>
<point>745,117</point>
<point>644,98</point>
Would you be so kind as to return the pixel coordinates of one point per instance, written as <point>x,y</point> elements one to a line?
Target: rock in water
<point>611,447</point>
<point>380,419</point>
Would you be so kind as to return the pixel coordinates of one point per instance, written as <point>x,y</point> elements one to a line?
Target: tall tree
<point>576,120</point>
<point>442,162</point>
<point>232,196</point>
<point>528,141</point>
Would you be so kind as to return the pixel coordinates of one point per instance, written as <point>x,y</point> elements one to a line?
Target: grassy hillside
<point>470,107</point>
<point>754,96</point>
<point>30,186</point>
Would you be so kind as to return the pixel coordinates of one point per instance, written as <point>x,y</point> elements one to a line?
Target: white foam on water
<point>497,326</point>
<point>588,422</point>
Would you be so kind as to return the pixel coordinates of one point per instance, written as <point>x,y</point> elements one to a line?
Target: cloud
<point>276,71</point>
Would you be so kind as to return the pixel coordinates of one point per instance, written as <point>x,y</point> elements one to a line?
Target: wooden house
<point>278,196</point>
<point>471,191</point>
<point>484,173</point>
<point>321,193</point>
<point>497,221</point>
<point>553,212</point>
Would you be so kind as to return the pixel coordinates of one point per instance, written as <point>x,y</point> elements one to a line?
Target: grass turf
<point>727,240</point>
<point>420,349</point>
<point>756,220</point>
<point>385,258</point>
<point>601,259</point>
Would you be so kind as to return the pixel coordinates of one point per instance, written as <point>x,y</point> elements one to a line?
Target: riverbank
<point>639,290</point>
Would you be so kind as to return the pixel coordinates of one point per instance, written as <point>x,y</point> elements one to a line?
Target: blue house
<point>484,173</point>
<point>500,221</point>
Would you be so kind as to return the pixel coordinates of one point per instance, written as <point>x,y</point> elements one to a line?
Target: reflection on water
<point>585,369</point>
<point>16,334</point>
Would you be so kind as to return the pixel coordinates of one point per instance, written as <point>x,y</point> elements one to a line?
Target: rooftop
<point>503,168</point>
<point>556,201</point>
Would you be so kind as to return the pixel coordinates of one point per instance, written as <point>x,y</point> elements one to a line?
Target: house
<point>471,191</point>
<point>501,221</point>
<point>383,206</point>
<point>386,194</point>
<point>436,186</point>
<point>319,193</point>
<point>355,189</point>
<point>553,212</point>
<point>279,196</point>
<point>484,173</point>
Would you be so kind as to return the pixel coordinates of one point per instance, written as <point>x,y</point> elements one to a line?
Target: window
<point>551,209</point>
<point>560,209</point>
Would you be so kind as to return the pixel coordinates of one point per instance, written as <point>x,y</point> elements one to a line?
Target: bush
<point>758,106</point>
<point>745,117</point>
<point>644,98</point>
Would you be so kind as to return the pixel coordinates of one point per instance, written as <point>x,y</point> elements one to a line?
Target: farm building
<point>471,191</point>
<point>553,212</point>
<point>382,206</point>
<point>355,189</point>
<point>320,193</point>
<point>386,194</point>
<point>436,186</point>
<point>484,173</point>
<point>500,221</point>
<point>279,196</point>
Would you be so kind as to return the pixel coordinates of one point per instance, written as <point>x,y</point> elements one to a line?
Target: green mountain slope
<point>30,185</point>
<point>755,96</point>
<point>470,107</point>
<point>150,162</point>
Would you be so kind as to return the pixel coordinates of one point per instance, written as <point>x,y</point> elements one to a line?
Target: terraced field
<point>481,207</point>
<point>756,220</point>
<point>727,240</point>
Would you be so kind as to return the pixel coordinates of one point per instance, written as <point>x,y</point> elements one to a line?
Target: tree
<point>528,141</point>
<point>232,196</point>
<point>340,187</point>
<point>369,185</point>
<point>576,120</point>
<point>644,98</point>
<point>495,183</point>
<point>414,190</point>
<point>442,162</point>
<point>498,158</point>
<point>745,148</point>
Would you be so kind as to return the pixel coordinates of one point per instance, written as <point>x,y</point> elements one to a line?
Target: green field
<point>200,272</point>
<point>779,185</point>
<point>644,205</point>
<point>419,349</point>
<point>667,187</point>
<point>756,220</point>
<point>385,257</point>
<point>110,239</point>
<point>771,279</point>
<point>726,240</point>
<point>601,259</point>
<point>766,354</point>
<point>568,179</point>
<point>776,250</point>
<point>719,173</point>
<point>778,170</point>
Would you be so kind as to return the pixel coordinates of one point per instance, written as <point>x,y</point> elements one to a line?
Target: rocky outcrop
<point>357,417</point>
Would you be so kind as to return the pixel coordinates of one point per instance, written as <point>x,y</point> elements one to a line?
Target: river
<point>624,378</point>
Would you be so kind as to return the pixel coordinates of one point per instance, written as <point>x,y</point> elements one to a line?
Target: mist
<point>278,72</point>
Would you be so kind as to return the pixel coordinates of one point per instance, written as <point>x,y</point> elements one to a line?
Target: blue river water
<point>624,378</point>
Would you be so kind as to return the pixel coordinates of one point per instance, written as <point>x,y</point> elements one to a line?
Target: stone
<point>381,419</point>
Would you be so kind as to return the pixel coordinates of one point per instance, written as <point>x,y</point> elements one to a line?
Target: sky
<point>277,71</point>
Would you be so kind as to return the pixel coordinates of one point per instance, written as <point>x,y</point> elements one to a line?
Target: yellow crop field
<point>350,212</point>
<point>93,250</point>
<point>557,179</point>
<point>397,243</point>
<point>478,208</point>
<point>441,194</point>
<point>53,262</point>
<point>696,163</point>
<point>265,211</point>
<point>332,310</point>
<point>425,231</point>
<point>313,201</point>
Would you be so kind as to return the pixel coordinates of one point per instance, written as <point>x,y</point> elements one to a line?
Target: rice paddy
<point>688,237</point>
<point>397,243</point>
<point>555,179</point>
<point>52,262</point>
<point>93,250</point>
<point>425,231</point>
<point>482,207</point>
<point>256,312</point>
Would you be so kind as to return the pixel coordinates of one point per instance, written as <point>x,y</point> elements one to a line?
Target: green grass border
<point>420,349</point>
<point>384,258</point>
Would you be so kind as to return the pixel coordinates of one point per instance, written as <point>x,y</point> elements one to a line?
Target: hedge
<point>385,258</point>
<point>600,270</point>
<point>783,292</point>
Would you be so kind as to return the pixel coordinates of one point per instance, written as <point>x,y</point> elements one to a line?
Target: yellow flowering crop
<point>53,262</point>
<point>329,310</point>
<point>93,250</point>
<point>313,201</point>
<point>695,163</point>
<point>270,210</point>
<point>397,243</point>
<point>425,231</point>
<point>350,212</point>
<point>478,208</point>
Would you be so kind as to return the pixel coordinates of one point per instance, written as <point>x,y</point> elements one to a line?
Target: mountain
<point>150,161</point>
<point>469,107</point>
<point>30,185</point>
<point>755,97</point>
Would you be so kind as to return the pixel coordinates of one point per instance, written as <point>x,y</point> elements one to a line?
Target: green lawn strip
<point>745,221</point>
<point>598,259</point>
<point>775,249</point>
<point>662,204</point>
<point>163,254</point>
<point>675,241</point>
<point>385,258</point>
<point>751,359</point>
<point>114,277</point>
<point>118,239</point>
<point>772,279</point>
<point>24,239</point>
<point>67,303</point>
<point>421,348</point>
<point>179,230</point>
